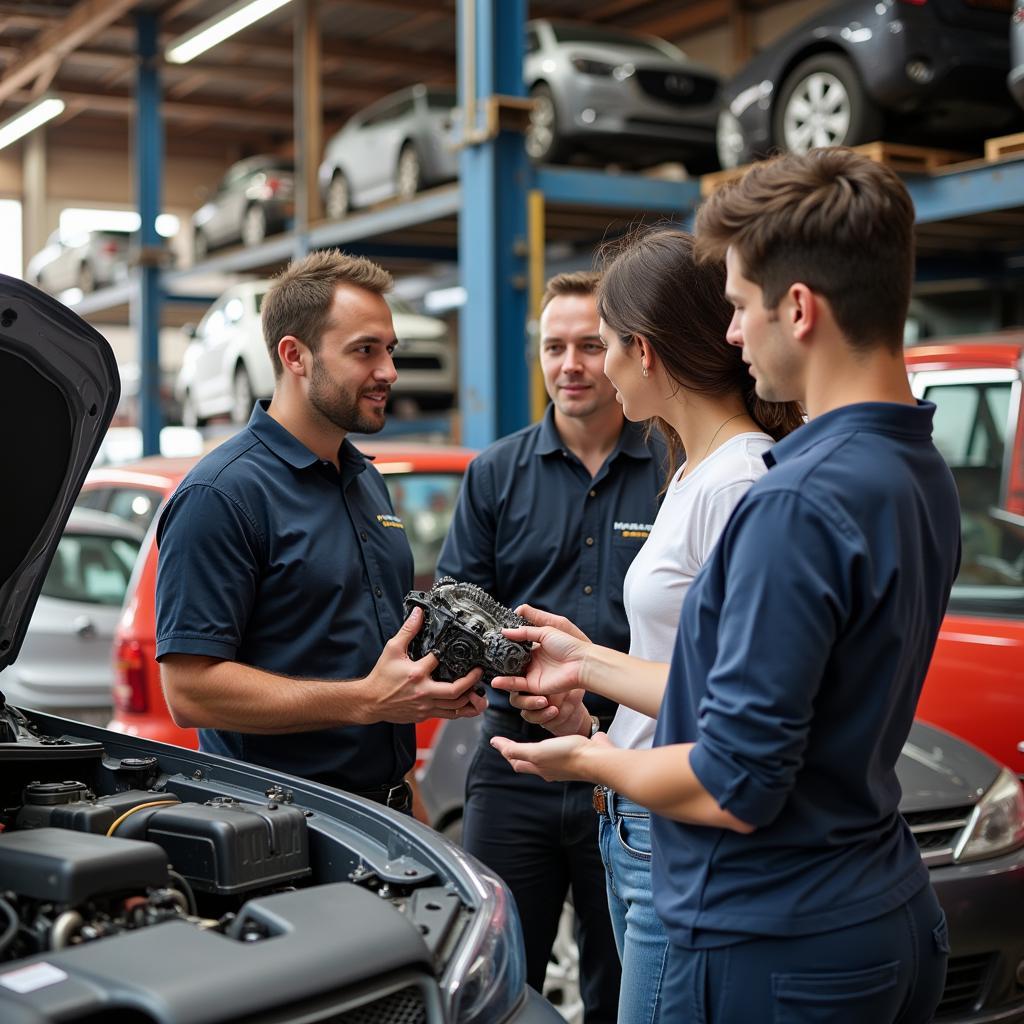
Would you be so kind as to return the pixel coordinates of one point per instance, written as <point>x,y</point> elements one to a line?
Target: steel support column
<point>495,175</point>
<point>146,296</point>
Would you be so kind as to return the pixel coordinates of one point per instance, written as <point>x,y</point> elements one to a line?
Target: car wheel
<point>562,980</point>
<point>241,397</point>
<point>254,225</point>
<point>544,143</point>
<point>338,197</point>
<point>189,414</point>
<point>86,279</point>
<point>730,141</point>
<point>409,172</point>
<point>823,103</point>
<point>200,246</point>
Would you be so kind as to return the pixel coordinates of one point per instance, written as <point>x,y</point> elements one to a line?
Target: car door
<point>374,173</point>
<point>975,685</point>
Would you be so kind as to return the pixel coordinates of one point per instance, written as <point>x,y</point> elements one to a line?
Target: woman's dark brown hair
<point>653,286</point>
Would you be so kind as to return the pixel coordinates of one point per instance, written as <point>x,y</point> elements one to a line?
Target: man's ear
<point>802,310</point>
<point>294,355</point>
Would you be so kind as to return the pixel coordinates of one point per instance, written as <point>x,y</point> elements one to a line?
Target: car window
<point>532,41</point>
<point>94,569</point>
<point>440,100</point>
<point>608,37</point>
<point>971,430</point>
<point>96,497</point>
<point>135,505</point>
<point>425,503</point>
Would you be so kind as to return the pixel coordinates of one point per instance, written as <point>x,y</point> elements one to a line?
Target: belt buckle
<point>600,799</point>
<point>395,795</point>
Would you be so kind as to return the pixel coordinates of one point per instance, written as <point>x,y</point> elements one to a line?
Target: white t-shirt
<point>691,519</point>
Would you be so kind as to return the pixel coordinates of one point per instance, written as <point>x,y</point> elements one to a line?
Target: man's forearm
<point>660,779</point>
<point>212,694</point>
<point>638,684</point>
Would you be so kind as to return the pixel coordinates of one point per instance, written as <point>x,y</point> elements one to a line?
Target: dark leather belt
<point>398,796</point>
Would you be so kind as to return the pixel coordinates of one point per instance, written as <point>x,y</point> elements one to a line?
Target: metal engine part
<point>462,627</point>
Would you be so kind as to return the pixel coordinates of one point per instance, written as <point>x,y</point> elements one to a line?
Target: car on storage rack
<point>226,366</point>
<point>86,261</point>
<point>65,666</point>
<point>254,199</point>
<point>393,148</point>
<point>634,99</point>
<point>923,71</point>
<point>287,900</point>
<point>975,685</point>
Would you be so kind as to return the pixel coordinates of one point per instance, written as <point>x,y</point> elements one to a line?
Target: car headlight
<point>997,822</point>
<point>592,67</point>
<point>487,974</point>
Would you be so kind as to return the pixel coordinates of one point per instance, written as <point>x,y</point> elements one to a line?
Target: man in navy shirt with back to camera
<point>789,884</point>
<point>552,516</point>
<point>283,566</point>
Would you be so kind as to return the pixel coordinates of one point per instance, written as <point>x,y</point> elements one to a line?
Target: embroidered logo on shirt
<point>640,531</point>
<point>391,521</point>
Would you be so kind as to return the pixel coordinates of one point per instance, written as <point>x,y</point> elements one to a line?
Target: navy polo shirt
<point>271,557</point>
<point>801,651</point>
<point>531,525</point>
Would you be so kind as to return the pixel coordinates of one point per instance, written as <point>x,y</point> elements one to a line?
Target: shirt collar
<point>287,447</point>
<point>914,421</point>
<point>631,438</point>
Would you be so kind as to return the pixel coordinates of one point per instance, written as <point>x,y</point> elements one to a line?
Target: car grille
<point>414,1003</point>
<point>937,832</point>
<point>678,87</point>
<point>965,983</point>
<point>416,362</point>
<point>403,1007</point>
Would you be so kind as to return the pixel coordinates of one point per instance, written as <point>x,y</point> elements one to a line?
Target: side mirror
<point>189,330</point>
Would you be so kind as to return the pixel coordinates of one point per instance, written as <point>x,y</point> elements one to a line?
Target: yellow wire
<point>139,807</point>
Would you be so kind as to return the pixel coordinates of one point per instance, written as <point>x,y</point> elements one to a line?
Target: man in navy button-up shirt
<point>789,884</point>
<point>283,567</point>
<point>553,516</point>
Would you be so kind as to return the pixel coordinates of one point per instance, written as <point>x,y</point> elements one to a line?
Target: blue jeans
<point>625,841</point>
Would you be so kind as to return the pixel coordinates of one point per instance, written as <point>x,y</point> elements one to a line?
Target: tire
<point>408,173</point>
<point>86,279</point>
<point>544,142</point>
<point>242,398</point>
<point>254,225</point>
<point>200,246</point>
<point>822,102</point>
<point>189,416</point>
<point>339,199</point>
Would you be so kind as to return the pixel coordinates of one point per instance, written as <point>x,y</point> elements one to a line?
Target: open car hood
<point>61,387</point>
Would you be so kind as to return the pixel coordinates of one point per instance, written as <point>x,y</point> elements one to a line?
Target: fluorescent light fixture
<point>46,108</point>
<point>218,28</point>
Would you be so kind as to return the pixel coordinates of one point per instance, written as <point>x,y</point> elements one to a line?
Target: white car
<point>227,367</point>
<point>66,666</point>
<point>86,261</point>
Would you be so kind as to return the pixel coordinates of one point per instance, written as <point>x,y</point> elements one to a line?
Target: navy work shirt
<point>270,557</point>
<point>531,525</point>
<point>801,651</point>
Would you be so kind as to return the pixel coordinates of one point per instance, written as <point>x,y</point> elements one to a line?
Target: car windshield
<point>91,568</point>
<point>608,37</point>
<point>440,100</point>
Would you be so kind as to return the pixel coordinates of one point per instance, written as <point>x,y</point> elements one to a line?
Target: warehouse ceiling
<point>236,99</point>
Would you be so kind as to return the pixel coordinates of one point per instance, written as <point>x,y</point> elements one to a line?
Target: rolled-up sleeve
<point>207,573</point>
<point>784,602</point>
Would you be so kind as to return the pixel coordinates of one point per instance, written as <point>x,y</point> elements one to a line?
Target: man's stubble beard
<point>338,406</point>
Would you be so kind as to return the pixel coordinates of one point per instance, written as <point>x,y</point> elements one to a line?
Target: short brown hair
<point>831,219</point>
<point>574,282</point>
<point>299,300</point>
<point>653,286</point>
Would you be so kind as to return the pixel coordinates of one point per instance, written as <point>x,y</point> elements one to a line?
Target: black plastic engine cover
<point>60,866</point>
<point>227,847</point>
<point>462,627</point>
<point>94,814</point>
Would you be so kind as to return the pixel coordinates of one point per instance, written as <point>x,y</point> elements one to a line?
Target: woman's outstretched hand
<point>562,759</point>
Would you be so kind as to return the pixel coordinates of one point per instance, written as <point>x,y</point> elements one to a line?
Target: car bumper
<point>984,906</point>
<point>535,1009</point>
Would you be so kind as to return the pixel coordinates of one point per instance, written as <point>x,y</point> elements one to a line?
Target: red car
<point>423,481</point>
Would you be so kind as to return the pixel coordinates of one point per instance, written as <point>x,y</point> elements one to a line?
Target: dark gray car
<point>967,814</point>
<point>255,198</point>
<point>146,883</point>
<point>923,71</point>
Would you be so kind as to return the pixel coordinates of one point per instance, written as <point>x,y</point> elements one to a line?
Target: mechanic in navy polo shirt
<point>553,515</point>
<point>283,566</point>
<point>790,886</point>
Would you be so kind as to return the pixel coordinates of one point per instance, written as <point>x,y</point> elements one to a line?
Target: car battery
<point>227,847</point>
